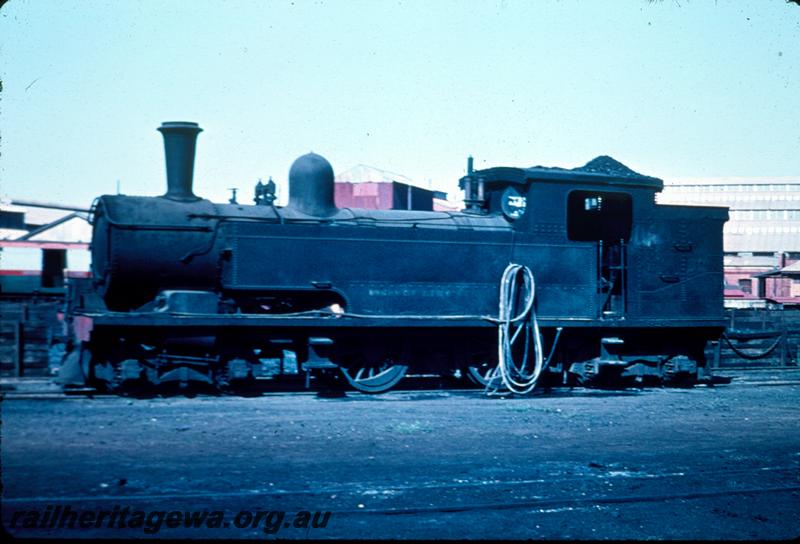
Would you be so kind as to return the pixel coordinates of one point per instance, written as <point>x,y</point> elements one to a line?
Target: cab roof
<point>602,170</point>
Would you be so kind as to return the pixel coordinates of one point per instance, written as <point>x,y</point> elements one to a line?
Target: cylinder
<point>180,139</point>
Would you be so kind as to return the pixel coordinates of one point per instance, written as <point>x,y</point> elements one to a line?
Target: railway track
<point>549,491</point>
<point>40,389</point>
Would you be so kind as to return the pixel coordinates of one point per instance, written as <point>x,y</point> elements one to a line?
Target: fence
<point>28,330</point>
<point>758,338</point>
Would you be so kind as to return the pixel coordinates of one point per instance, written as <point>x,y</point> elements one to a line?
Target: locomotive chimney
<point>179,146</point>
<point>311,186</point>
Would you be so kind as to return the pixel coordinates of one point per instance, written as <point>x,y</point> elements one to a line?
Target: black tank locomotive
<point>184,289</point>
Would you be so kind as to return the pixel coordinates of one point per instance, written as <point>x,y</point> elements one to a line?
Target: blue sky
<point>673,88</point>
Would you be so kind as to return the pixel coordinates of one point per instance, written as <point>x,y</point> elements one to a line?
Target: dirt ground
<point>706,463</point>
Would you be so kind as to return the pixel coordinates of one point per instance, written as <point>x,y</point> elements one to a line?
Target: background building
<point>374,189</point>
<point>40,245</point>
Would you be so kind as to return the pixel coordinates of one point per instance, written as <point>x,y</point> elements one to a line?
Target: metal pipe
<point>36,204</point>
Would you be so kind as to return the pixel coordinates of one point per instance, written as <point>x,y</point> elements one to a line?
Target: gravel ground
<point>707,463</point>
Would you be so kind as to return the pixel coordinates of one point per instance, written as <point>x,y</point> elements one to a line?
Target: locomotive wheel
<point>478,374</point>
<point>375,379</point>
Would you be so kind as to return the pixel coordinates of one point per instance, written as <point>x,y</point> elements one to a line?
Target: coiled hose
<point>518,378</point>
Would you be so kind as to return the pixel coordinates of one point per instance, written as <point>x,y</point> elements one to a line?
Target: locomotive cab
<point>608,241</point>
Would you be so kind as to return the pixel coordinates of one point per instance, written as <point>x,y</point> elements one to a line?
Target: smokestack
<point>180,139</point>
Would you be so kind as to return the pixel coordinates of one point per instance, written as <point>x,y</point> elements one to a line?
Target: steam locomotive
<point>185,290</point>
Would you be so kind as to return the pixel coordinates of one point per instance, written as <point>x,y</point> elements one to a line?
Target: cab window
<point>599,215</point>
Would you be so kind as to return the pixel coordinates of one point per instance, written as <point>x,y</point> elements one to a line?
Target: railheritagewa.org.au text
<point>155,521</point>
